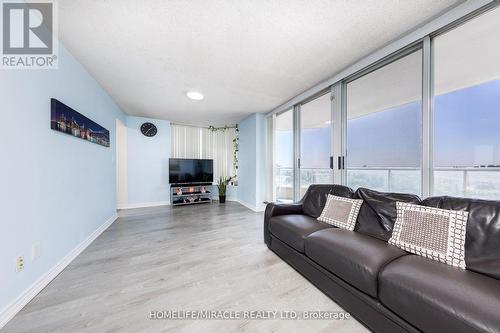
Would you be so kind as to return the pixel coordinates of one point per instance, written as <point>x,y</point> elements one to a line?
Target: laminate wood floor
<point>202,257</point>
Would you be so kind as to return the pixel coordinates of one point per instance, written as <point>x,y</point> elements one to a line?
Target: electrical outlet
<point>36,251</point>
<point>19,263</point>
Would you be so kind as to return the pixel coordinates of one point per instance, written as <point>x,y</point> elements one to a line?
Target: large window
<point>315,142</point>
<point>467,109</point>
<point>384,112</point>
<point>423,121</point>
<point>283,173</point>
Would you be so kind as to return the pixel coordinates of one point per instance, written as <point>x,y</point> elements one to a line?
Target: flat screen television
<point>190,171</point>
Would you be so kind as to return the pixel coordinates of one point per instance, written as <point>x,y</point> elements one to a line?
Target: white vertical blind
<point>201,142</point>
<point>223,152</point>
<point>186,142</point>
<point>206,143</point>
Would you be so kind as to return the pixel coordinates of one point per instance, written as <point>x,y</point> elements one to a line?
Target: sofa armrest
<point>275,209</point>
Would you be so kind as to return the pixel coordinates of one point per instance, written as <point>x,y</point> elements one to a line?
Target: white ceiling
<point>244,56</point>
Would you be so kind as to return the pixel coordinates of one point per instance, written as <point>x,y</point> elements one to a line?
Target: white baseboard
<point>144,205</point>
<point>260,208</point>
<point>257,209</point>
<point>20,302</point>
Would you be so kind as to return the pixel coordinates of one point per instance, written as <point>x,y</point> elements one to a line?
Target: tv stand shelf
<point>181,195</point>
<point>191,193</point>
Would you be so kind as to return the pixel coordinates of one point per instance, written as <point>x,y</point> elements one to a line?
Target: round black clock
<point>149,129</point>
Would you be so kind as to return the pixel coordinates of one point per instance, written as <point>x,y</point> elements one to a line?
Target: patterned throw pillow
<point>341,212</point>
<point>434,233</point>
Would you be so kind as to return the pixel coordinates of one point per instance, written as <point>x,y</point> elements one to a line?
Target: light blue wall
<point>54,189</point>
<point>147,162</point>
<point>246,161</point>
<point>251,161</point>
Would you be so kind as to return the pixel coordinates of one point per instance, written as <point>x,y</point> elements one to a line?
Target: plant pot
<point>222,199</point>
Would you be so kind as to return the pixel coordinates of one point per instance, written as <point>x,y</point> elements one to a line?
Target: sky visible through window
<point>466,134</point>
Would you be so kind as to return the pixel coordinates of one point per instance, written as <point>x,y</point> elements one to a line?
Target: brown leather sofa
<point>384,287</point>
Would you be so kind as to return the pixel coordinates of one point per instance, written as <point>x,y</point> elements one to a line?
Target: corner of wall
<point>252,155</point>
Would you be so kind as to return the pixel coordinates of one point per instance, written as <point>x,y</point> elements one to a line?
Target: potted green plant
<point>222,187</point>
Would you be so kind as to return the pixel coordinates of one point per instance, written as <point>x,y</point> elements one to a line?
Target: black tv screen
<point>190,171</point>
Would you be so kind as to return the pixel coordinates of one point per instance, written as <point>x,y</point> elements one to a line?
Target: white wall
<point>121,164</point>
<point>55,189</point>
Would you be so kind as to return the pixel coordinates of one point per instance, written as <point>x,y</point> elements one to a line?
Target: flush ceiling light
<point>194,95</point>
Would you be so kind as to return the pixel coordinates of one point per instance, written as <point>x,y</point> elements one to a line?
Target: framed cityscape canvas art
<point>66,120</point>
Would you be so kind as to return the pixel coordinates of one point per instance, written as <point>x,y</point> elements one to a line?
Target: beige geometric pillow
<point>341,212</point>
<point>434,233</point>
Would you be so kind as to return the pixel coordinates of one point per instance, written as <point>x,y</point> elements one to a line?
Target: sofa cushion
<point>340,212</point>
<point>430,232</point>
<point>354,257</point>
<point>315,198</point>
<point>482,239</point>
<point>293,229</point>
<point>436,297</point>
<point>378,212</point>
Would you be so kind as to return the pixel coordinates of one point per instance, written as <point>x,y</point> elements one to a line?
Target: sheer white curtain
<point>186,142</point>
<point>201,142</point>
<point>223,152</point>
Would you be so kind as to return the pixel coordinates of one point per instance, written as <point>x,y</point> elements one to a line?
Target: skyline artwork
<point>66,120</point>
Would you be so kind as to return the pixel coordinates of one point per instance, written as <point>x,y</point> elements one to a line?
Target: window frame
<point>273,172</point>
<point>494,5</point>
<point>420,45</point>
<point>298,130</point>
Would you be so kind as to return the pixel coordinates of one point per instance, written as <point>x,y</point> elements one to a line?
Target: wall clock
<point>149,129</point>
